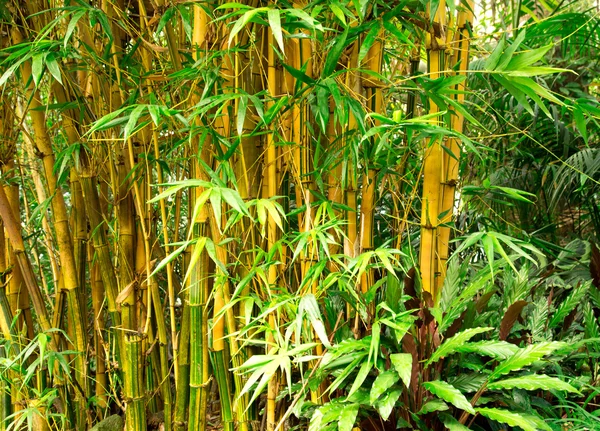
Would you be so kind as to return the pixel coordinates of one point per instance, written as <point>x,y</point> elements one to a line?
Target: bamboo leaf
<point>241,114</point>
<point>368,41</point>
<point>274,17</point>
<point>243,20</point>
<point>334,55</point>
<point>53,68</point>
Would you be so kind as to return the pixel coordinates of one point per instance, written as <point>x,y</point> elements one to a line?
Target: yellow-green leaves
<point>514,72</point>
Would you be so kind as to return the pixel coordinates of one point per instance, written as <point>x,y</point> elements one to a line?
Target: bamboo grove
<point>184,182</point>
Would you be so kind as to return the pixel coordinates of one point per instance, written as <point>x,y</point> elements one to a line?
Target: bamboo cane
<point>450,164</point>
<point>432,170</point>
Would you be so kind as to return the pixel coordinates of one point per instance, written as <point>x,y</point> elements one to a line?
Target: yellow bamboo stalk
<point>432,167</point>
<point>271,189</point>
<point>450,165</point>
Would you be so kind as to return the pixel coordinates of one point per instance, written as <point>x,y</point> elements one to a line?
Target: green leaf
<point>526,422</point>
<point>402,362</point>
<point>451,345</point>
<point>382,383</point>
<point>525,357</point>
<point>363,372</point>
<point>569,304</point>
<point>495,349</point>
<point>494,57</point>
<point>72,24</point>
<point>527,58</point>
<point>433,406</point>
<point>348,417</point>
<point>368,41</point>
<point>580,122</point>
<point>244,19</point>
<point>241,115</point>
<point>132,122</point>
<point>54,69</point>
<point>451,423</point>
<point>450,394</point>
<point>509,51</point>
<point>334,54</point>
<point>533,382</point>
<point>386,404</point>
<point>37,68</point>
<point>275,24</point>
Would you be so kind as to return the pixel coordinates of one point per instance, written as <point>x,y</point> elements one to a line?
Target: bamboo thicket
<point>185,184</point>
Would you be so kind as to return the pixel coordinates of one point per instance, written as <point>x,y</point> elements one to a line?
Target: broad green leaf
<point>433,406</point>
<point>348,417</point>
<point>386,404</point>
<point>451,345</point>
<point>402,362</point>
<point>382,383</point>
<point>494,349</point>
<point>132,122</point>
<point>511,418</point>
<point>451,423</point>
<point>533,382</point>
<point>525,357</point>
<point>450,394</point>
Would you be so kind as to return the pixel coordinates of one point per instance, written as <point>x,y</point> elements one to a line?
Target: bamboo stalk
<point>450,165</point>
<point>432,170</point>
<point>135,417</point>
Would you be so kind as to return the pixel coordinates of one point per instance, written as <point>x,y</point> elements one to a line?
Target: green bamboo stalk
<point>133,378</point>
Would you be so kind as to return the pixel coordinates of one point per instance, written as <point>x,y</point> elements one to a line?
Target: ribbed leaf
<point>386,404</point>
<point>494,349</point>
<point>533,382</point>
<point>451,423</point>
<point>568,305</point>
<point>450,394</point>
<point>382,383</point>
<point>348,417</point>
<point>403,364</point>
<point>452,344</point>
<point>526,422</point>
<point>525,357</point>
